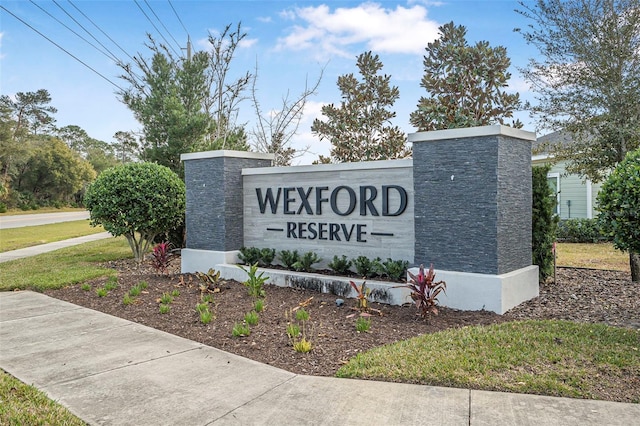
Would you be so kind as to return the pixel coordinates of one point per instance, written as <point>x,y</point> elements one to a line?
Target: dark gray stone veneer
<point>214,211</point>
<point>473,203</point>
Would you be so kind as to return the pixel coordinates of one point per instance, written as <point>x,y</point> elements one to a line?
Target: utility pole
<point>188,49</point>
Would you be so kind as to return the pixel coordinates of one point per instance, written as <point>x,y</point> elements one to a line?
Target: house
<point>576,197</point>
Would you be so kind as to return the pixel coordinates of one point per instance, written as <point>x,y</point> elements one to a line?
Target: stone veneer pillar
<point>472,190</point>
<point>214,206</point>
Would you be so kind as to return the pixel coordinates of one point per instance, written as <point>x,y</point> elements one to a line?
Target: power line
<point>59,47</point>
<point>180,20</point>
<point>64,25</point>
<point>114,57</point>
<point>188,49</point>
<point>156,28</point>
<point>161,23</point>
<point>100,29</point>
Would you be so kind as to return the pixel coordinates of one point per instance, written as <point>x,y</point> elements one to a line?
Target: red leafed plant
<point>162,256</point>
<point>424,291</point>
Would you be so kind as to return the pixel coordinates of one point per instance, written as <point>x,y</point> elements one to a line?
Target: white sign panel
<point>347,209</point>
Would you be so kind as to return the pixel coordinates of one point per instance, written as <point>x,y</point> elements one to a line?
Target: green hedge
<point>581,231</point>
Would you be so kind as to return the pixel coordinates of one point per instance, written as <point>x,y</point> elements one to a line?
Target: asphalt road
<point>18,221</point>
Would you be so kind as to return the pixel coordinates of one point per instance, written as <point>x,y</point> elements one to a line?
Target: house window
<point>553,179</point>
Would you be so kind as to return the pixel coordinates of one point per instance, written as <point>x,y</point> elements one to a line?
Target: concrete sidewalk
<point>110,371</point>
<point>44,248</point>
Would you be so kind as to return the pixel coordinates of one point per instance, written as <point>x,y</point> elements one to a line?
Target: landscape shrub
<point>249,255</point>
<point>137,200</point>
<point>162,256</point>
<point>340,265</point>
<point>544,222</point>
<point>366,267</point>
<point>619,205</point>
<point>255,282</point>
<point>581,230</point>
<point>395,269</point>
<point>425,290</point>
<point>254,255</point>
<point>266,256</point>
<point>306,261</point>
<point>289,258</point>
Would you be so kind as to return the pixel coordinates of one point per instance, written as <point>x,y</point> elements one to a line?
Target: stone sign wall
<point>348,209</point>
<point>462,204</point>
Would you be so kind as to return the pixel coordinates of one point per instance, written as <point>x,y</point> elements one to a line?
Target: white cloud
<point>312,110</point>
<point>288,15</point>
<point>518,84</point>
<point>304,138</point>
<point>203,44</point>
<point>426,2</point>
<point>247,43</point>
<point>382,30</point>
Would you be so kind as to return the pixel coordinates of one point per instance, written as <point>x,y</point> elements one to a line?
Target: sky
<point>290,42</point>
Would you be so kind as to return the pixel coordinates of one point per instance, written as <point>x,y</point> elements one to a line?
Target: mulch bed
<point>580,295</point>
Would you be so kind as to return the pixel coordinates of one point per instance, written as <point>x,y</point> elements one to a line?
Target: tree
<point>544,222</point>
<point>137,200</point>
<point>274,131</point>
<point>6,132</point>
<point>360,128</point>
<point>74,136</point>
<point>54,173</point>
<point>587,78</point>
<point>619,205</point>
<point>32,112</point>
<point>40,163</point>
<point>126,147</point>
<point>186,104</point>
<point>167,100</point>
<point>465,84</point>
<point>224,96</point>
<point>29,113</point>
<point>99,153</point>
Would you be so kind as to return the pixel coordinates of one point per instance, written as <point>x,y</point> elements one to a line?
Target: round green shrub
<point>619,205</point>
<point>137,200</point>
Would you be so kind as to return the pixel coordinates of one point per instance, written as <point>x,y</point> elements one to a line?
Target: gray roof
<point>543,144</point>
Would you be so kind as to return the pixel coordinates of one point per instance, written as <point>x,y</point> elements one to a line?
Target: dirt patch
<point>580,295</point>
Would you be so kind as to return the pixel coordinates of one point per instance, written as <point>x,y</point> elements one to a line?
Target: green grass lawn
<point>557,358</point>
<point>17,238</point>
<point>597,256</point>
<point>17,212</point>
<point>63,267</point>
<point>21,404</point>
